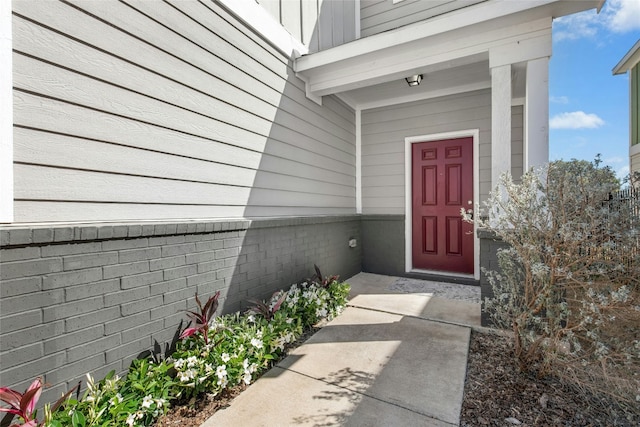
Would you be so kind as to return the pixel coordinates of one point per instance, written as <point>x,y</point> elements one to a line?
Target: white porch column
<point>6,115</point>
<point>536,114</point>
<point>500,122</point>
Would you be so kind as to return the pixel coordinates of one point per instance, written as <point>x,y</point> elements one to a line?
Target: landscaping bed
<point>496,394</point>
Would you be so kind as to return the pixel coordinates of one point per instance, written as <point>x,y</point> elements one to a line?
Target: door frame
<point>408,226</point>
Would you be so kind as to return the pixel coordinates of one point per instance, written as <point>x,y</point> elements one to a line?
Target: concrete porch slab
<point>413,363</point>
<point>422,306</point>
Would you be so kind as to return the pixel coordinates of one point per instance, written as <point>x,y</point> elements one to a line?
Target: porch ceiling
<point>451,51</point>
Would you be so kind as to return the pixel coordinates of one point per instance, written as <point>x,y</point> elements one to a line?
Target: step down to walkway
<point>368,367</point>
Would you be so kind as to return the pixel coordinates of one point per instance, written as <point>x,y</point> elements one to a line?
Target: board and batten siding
<point>135,110</point>
<point>377,16</point>
<point>385,129</point>
<point>318,24</point>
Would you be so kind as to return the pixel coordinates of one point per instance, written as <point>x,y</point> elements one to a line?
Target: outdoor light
<point>414,80</point>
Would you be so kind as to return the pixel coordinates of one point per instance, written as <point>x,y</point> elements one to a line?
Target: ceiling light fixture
<point>414,80</point>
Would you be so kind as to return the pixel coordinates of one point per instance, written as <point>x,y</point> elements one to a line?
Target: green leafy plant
<point>212,354</point>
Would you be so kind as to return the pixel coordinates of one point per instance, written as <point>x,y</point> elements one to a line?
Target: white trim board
<point>257,18</point>
<point>6,115</point>
<point>408,226</point>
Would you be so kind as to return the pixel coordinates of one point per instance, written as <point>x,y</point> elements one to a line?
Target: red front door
<point>442,183</point>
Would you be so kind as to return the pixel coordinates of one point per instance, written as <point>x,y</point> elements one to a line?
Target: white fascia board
<point>467,44</point>
<point>629,60</point>
<point>257,18</point>
<point>6,115</point>
<point>521,50</point>
<point>451,21</point>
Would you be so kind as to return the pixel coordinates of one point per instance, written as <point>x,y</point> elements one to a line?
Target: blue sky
<point>588,105</point>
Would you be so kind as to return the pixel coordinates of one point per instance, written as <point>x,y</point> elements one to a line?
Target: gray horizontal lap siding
<point>377,16</point>
<point>136,110</point>
<point>383,133</point>
<point>318,24</point>
<point>89,299</point>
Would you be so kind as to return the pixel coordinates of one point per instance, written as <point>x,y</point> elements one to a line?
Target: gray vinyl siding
<point>139,110</point>
<point>383,133</point>
<point>377,16</point>
<point>319,24</point>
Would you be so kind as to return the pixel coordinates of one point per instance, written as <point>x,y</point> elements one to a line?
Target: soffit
<point>450,50</point>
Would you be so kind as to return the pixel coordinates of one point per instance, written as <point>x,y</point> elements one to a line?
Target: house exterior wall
<point>383,133</point>
<point>377,16</point>
<point>318,24</point>
<point>634,119</point>
<point>89,299</point>
<point>136,110</point>
<point>383,175</point>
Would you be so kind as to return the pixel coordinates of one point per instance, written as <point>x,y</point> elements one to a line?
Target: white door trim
<point>408,236</point>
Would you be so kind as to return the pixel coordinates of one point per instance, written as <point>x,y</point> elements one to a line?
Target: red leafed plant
<point>24,404</point>
<point>323,281</point>
<point>200,321</point>
<point>264,309</point>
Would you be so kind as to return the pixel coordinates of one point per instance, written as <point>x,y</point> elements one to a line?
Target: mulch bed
<point>497,394</point>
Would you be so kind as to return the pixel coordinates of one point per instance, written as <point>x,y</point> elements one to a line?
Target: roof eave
<point>629,60</point>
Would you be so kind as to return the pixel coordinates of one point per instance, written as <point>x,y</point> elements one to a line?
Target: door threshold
<point>434,275</point>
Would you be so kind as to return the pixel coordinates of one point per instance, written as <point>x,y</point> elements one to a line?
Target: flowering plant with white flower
<point>230,350</point>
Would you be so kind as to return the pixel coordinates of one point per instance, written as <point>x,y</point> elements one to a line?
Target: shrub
<point>569,283</point>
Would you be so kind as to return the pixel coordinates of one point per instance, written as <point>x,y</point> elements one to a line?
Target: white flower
<point>131,420</point>
<point>147,401</point>
<point>251,318</point>
<point>184,376</point>
<point>289,320</point>
<point>208,368</point>
<point>225,357</point>
<point>178,364</point>
<point>247,378</point>
<point>192,361</point>
<point>160,403</point>
<point>115,399</point>
<point>257,343</point>
<point>321,312</point>
<point>222,382</point>
<point>221,371</point>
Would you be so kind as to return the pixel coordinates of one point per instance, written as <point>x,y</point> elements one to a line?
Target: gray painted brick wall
<point>85,299</point>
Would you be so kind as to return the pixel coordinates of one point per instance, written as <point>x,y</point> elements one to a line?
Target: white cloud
<point>559,99</point>
<point>623,172</point>
<point>619,16</point>
<point>623,15</point>
<point>614,160</point>
<point>575,120</point>
<point>576,26</point>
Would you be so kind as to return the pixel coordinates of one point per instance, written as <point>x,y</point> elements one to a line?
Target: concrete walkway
<point>397,356</point>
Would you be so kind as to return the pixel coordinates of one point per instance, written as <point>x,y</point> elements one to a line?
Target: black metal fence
<point>628,199</point>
